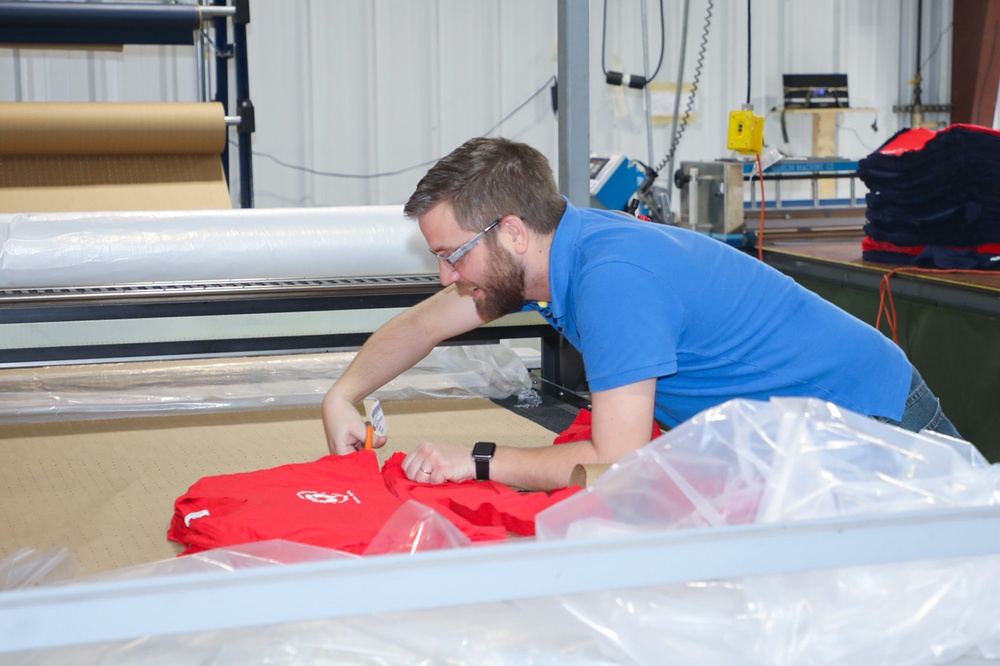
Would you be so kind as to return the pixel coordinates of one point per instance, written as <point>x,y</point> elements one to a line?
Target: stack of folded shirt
<point>932,199</point>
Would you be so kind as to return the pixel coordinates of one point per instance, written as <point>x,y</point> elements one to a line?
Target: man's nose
<point>448,275</point>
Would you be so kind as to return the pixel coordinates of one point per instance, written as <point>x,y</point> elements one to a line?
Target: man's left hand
<point>434,462</point>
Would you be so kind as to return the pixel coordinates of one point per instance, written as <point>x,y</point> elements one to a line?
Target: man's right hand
<point>345,428</point>
<point>394,348</point>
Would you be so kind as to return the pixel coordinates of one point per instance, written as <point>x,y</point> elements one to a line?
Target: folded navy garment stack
<point>933,200</point>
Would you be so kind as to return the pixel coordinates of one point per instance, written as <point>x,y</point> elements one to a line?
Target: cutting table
<point>948,323</point>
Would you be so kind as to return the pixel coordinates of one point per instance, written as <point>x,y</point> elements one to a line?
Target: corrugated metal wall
<point>354,98</point>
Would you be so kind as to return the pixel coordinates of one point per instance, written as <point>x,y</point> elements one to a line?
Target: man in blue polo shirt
<point>668,322</point>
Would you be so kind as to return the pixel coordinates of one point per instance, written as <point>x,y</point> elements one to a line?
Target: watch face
<point>484,450</point>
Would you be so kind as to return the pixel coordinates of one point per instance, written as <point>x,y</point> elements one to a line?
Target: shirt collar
<point>561,259</point>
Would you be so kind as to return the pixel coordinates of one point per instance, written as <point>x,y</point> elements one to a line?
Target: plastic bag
<point>779,461</point>
<point>414,528</point>
<point>788,459</point>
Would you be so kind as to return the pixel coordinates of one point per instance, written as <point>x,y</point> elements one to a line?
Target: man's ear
<point>517,231</point>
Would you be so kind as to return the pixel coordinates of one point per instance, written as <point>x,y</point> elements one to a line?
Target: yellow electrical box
<point>746,132</point>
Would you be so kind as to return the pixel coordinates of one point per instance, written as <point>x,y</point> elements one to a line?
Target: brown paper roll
<point>54,128</point>
<point>114,157</point>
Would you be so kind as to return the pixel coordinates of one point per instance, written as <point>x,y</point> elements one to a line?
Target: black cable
<point>855,133</point>
<point>635,81</point>
<point>551,79</point>
<point>748,52</point>
<point>920,31</point>
<point>227,53</point>
<point>333,174</point>
<point>663,40</point>
<point>937,44</point>
<point>604,35</point>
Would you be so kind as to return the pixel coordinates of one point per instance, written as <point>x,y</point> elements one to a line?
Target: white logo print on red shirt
<point>320,497</point>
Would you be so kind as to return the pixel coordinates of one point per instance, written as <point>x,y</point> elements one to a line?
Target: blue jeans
<point>923,411</point>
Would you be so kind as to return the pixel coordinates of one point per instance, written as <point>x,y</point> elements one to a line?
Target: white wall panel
<point>360,88</point>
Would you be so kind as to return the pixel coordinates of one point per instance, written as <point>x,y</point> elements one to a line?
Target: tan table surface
<point>105,489</point>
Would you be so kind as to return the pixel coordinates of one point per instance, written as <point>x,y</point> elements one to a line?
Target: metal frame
<point>219,12</point>
<point>31,22</point>
<point>573,98</point>
<point>43,326</point>
<point>130,609</point>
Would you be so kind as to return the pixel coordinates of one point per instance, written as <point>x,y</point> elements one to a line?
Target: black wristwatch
<point>482,454</point>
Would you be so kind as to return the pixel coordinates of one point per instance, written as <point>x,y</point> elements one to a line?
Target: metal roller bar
<point>211,12</point>
<point>380,285</point>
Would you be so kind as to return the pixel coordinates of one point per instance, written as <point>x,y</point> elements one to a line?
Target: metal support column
<point>243,103</point>
<point>574,101</point>
<point>222,51</point>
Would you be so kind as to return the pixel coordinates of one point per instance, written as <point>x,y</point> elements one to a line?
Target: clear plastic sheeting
<point>415,528</point>
<point>40,250</point>
<point>232,384</point>
<point>743,462</point>
<point>776,462</point>
<point>30,568</point>
<point>507,633</point>
<point>244,556</point>
<point>412,528</point>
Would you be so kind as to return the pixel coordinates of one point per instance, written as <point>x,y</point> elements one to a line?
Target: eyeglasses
<point>453,258</point>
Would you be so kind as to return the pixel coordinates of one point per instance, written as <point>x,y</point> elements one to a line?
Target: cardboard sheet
<point>105,489</point>
<point>114,156</point>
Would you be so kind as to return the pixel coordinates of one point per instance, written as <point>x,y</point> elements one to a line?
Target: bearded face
<point>502,289</point>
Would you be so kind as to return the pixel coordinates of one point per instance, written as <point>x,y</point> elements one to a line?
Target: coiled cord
<point>695,79</point>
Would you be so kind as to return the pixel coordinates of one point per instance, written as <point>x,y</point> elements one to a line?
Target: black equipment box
<point>815,91</point>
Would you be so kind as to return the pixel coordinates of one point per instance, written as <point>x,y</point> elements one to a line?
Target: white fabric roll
<point>103,249</point>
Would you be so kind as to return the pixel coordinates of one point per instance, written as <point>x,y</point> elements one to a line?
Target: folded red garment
<point>869,244</point>
<point>580,429</point>
<point>483,510</point>
<point>341,502</point>
<point>916,138</point>
<point>436,497</point>
<point>335,502</point>
<point>516,511</point>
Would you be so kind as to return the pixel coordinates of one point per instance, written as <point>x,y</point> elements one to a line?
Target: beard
<point>502,290</point>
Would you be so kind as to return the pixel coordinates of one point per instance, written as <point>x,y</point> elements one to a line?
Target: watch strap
<point>482,454</point>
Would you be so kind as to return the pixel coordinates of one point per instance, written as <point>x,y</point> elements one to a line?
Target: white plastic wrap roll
<point>103,249</point>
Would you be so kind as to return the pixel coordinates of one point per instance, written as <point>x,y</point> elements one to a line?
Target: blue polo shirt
<point>641,300</point>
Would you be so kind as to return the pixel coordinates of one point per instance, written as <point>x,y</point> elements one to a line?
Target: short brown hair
<point>487,178</point>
